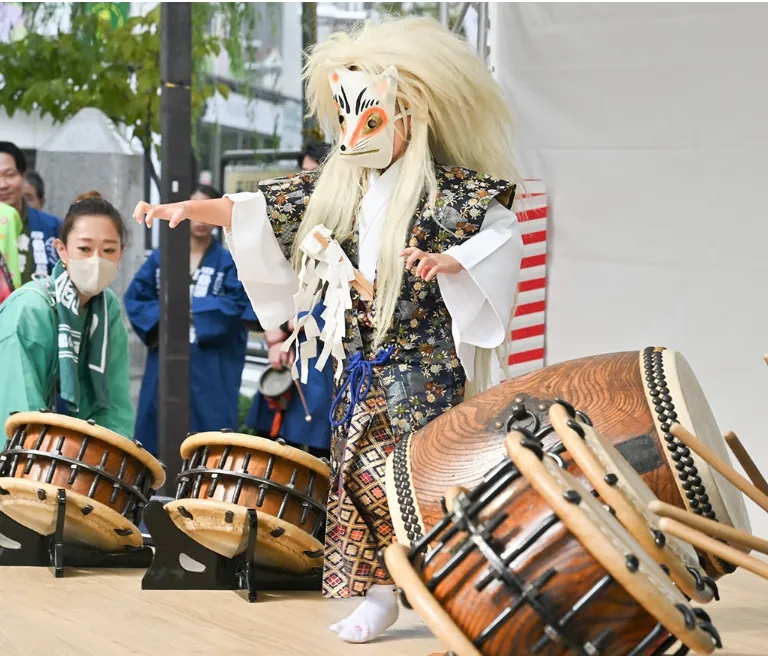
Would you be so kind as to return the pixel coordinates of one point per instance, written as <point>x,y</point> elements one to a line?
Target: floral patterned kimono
<point>416,375</point>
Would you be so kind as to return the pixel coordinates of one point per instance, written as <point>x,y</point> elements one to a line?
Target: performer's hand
<point>279,359</point>
<point>175,213</point>
<point>430,264</point>
<point>276,336</point>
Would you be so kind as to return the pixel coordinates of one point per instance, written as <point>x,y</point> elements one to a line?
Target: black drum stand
<point>22,547</point>
<point>181,563</point>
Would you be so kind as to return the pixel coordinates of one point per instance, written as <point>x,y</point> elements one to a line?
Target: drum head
<point>275,382</point>
<point>694,413</point>
<point>608,542</point>
<point>254,443</point>
<point>99,432</point>
<point>88,522</point>
<point>222,527</point>
<point>622,488</point>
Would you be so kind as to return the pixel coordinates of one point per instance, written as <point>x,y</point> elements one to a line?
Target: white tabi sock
<point>377,612</point>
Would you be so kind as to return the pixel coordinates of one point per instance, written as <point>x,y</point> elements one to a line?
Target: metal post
<point>308,39</point>
<point>176,185</point>
<point>460,18</point>
<point>148,198</point>
<point>482,31</point>
<point>443,8</point>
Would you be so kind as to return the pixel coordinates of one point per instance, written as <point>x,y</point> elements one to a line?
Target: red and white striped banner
<point>527,348</point>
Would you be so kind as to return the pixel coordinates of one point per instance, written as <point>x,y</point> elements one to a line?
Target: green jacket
<point>29,361</point>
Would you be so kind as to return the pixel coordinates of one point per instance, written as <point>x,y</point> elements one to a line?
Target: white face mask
<point>93,275</point>
<point>366,115</point>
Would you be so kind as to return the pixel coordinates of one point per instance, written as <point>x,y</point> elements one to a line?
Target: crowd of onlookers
<point>64,339</point>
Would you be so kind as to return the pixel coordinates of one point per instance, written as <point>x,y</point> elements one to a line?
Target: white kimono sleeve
<point>481,297</point>
<point>267,276</point>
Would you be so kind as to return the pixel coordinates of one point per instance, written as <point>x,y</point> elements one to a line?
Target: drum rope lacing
<point>687,471</point>
<point>138,493</point>
<point>464,518</point>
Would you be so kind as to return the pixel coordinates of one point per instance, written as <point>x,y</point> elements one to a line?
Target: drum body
<point>630,397</point>
<point>503,573</point>
<point>224,474</point>
<point>107,477</point>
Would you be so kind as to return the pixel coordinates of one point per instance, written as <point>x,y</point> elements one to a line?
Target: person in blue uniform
<point>313,436</point>
<point>218,337</point>
<point>39,230</point>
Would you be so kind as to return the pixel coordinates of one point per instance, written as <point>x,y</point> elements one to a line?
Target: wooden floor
<point>102,613</point>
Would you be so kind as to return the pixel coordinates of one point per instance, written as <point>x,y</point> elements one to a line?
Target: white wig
<point>457,115</point>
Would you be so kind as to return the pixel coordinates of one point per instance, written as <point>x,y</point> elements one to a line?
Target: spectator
<point>39,230</point>
<point>313,155</point>
<point>34,190</point>
<point>89,369</point>
<point>10,229</point>
<point>313,436</point>
<point>217,333</point>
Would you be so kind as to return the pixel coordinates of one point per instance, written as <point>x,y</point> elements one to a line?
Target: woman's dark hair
<point>208,190</point>
<point>33,177</point>
<point>92,203</point>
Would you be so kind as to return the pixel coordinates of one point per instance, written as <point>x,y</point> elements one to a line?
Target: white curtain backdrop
<point>648,123</point>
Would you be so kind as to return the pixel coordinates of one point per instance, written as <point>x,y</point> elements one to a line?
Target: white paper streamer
<point>331,269</point>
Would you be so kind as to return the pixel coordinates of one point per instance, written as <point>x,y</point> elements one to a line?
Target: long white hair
<point>457,113</point>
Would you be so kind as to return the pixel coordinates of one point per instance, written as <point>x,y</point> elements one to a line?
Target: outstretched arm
<point>262,265</point>
<point>217,212</point>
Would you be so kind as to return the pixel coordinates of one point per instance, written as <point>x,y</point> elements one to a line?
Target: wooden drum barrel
<point>632,398</point>
<point>108,479</point>
<point>224,474</point>
<point>530,563</point>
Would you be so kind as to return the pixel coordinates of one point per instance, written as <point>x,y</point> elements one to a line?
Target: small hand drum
<point>225,474</point>
<point>273,383</point>
<point>107,477</point>
<point>531,563</point>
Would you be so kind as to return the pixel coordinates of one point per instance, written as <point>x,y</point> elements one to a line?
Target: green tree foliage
<point>113,65</point>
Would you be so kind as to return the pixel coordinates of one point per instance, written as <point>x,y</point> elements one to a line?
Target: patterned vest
<point>424,376</point>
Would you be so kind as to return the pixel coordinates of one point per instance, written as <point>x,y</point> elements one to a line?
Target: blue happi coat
<point>44,229</point>
<point>318,393</point>
<point>218,340</point>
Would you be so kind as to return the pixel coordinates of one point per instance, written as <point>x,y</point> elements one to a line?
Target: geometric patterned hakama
<point>358,521</point>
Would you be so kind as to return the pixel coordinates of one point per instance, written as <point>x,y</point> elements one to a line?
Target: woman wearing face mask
<point>64,334</point>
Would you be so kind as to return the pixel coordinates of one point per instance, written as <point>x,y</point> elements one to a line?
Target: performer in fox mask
<point>415,115</point>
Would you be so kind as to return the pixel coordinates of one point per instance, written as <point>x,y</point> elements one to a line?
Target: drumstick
<point>749,466</point>
<point>714,461</point>
<point>451,493</point>
<point>359,283</point>
<point>709,526</point>
<point>715,547</point>
<point>307,416</point>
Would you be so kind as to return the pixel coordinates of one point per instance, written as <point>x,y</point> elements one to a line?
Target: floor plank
<point>106,613</point>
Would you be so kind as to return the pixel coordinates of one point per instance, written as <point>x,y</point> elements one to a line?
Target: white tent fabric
<point>648,123</point>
